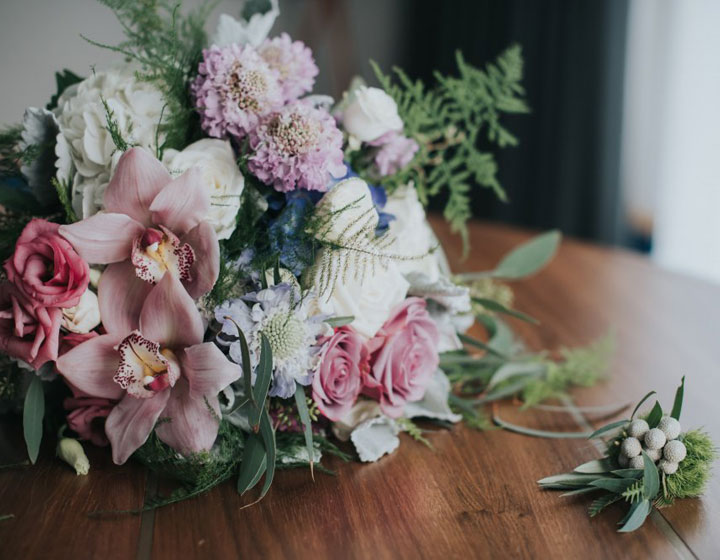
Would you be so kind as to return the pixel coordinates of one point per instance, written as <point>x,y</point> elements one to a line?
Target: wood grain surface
<point>473,496</point>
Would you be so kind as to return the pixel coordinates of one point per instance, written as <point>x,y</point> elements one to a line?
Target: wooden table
<point>474,496</point>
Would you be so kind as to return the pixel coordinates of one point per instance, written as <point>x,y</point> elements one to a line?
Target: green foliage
<point>33,414</point>
<point>634,493</point>
<point>167,45</point>
<point>10,153</point>
<point>113,128</point>
<point>694,471</point>
<point>11,226</point>
<point>452,123</point>
<point>413,430</point>
<point>63,80</point>
<point>599,504</point>
<point>579,367</point>
<point>63,191</point>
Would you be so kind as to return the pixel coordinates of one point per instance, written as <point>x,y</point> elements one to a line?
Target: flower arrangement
<point>217,273</point>
<point>669,464</point>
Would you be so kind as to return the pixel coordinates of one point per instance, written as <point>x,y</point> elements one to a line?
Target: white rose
<point>370,114</point>
<point>85,316</point>
<point>85,149</point>
<point>412,236</point>
<point>345,210</point>
<point>223,179</point>
<point>369,295</point>
<point>253,31</point>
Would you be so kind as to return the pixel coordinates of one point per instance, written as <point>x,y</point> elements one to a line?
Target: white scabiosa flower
<point>670,427</point>
<point>85,150</point>
<point>631,447</point>
<point>636,462</point>
<point>282,315</point>
<point>667,467</point>
<point>638,429</point>
<point>674,451</point>
<point>221,177</point>
<point>655,439</point>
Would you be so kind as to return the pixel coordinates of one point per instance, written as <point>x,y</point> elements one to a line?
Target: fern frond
<point>599,504</point>
<point>634,493</point>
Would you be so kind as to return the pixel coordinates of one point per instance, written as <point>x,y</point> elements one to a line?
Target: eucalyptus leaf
<point>305,419</point>
<point>655,415</point>
<point>268,438</point>
<point>629,473</point>
<point>677,405</point>
<point>514,369</point>
<point>33,413</point>
<point>637,407</point>
<point>340,321</point>
<point>529,257</point>
<point>503,392</point>
<point>579,491</point>
<point>608,428</point>
<point>492,305</point>
<point>598,466</point>
<point>569,478</point>
<point>651,478</point>
<point>616,485</point>
<point>502,340</point>
<point>636,516</point>
<point>480,345</point>
<point>263,378</point>
<point>253,464</point>
<point>537,433</point>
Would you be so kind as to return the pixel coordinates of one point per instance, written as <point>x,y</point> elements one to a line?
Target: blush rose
<point>404,357</point>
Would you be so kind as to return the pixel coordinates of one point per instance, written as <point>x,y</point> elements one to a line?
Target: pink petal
<point>193,426</point>
<point>131,422</point>
<point>169,316</point>
<point>90,366</point>
<point>207,370</point>
<point>206,267</point>
<point>121,295</point>
<point>103,238</point>
<point>137,180</point>
<point>183,203</point>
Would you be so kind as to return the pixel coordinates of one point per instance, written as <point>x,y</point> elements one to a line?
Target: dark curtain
<point>565,173</point>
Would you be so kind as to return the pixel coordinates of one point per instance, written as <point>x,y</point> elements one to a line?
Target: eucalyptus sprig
<point>643,488</point>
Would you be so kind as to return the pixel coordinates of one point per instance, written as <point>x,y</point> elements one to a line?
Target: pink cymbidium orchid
<point>162,370</point>
<point>152,225</point>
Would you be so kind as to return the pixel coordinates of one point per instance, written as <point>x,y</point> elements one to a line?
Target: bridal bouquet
<point>215,272</point>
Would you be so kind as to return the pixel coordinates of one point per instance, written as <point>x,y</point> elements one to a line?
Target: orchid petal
<point>194,422</point>
<point>207,370</point>
<point>169,316</point>
<point>121,295</point>
<point>206,268</point>
<point>103,238</point>
<point>90,366</point>
<point>183,203</point>
<point>137,180</point>
<point>131,422</point>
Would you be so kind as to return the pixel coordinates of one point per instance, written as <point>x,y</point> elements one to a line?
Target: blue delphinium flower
<point>282,315</point>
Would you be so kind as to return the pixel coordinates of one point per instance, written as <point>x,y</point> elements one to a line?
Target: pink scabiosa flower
<point>293,62</point>
<point>163,369</point>
<point>233,89</point>
<point>152,225</point>
<point>299,147</point>
<point>404,357</point>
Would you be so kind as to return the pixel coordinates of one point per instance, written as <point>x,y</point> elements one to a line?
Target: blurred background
<point>623,143</point>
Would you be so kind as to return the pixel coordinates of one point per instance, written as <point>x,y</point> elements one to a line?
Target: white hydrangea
<point>85,150</point>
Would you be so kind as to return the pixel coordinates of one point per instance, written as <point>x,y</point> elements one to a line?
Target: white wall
<point>671,145</point>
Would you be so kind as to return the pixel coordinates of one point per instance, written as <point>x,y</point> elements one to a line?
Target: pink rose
<point>28,331</point>
<point>45,268</point>
<point>404,357</point>
<point>70,340</point>
<point>338,380</point>
<point>87,416</point>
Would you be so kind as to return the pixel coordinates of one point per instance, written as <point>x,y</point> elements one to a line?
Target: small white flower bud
<point>623,460</point>
<point>70,451</point>
<point>637,462</point>
<point>674,451</point>
<point>670,427</point>
<point>654,454</point>
<point>655,439</point>
<point>667,467</point>
<point>631,447</point>
<point>638,428</point>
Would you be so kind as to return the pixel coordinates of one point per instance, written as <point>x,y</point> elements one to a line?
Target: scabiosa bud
<point>655,439</point>
<point>637,462</point>
<point>674,451</point>
<point>670,427</point>
<point>70,451</point>
<point>654,454</point>
<point>638,429</point>
<point>667,467</point>
<point>631,447</point>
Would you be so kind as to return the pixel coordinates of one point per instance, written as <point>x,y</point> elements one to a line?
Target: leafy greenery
<point>167,45</point>
<point>63,80</point>
<point>33,414</point>
<point>694,471</point>
<point>455,123</point>
<point>414,431</point>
